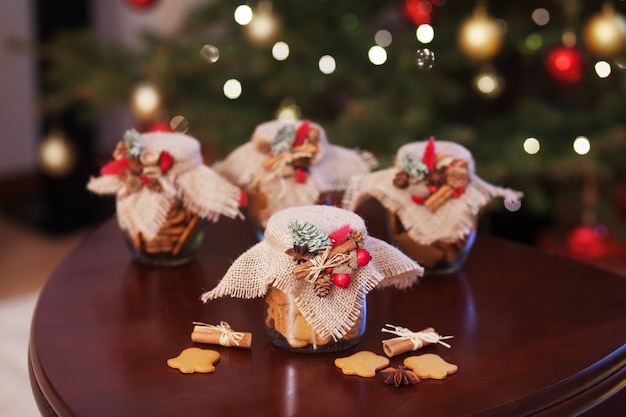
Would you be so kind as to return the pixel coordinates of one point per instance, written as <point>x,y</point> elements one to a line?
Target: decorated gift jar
<point>287,164</point>
<point>432,198</point>
<point>315,268</point>
<point>164,195</point>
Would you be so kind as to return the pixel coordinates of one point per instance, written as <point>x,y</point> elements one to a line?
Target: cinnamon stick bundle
<point>417,340</point>
<point>221,335</point>
<point>302,270</point>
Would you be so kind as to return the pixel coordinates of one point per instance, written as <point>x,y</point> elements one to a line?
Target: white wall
<point>19,126</point>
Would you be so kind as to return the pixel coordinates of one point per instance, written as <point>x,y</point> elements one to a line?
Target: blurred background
<point>535,89</point>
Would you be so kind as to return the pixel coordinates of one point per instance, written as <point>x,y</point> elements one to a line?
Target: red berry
<point>329,270</point>
<point>418,199</point>
<point>363,257</point>
<point>165,161</point>
<point>432,188</point>
<point>300,176</point>
<point>342,280</point>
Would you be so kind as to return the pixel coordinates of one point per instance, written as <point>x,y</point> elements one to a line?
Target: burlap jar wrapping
<point>302,315</point>
<point>287,164</point>
<point>164,194</point>
<point>433,208</point>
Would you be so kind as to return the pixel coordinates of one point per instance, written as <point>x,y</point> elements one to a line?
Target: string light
<point>327,64</point>
<point>243,14</point>
<point>232,89</point>
<point>383,38</point>
<point>288,110</point>
<point>377,55</point>
<point>531,146</point>
<point>603,69</point>
<point>425,33</point>
<point>581,145</point>
<point>280,51</point>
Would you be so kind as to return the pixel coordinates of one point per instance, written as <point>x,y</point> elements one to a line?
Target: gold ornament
<point>604,33</point>
<point>480,37</point>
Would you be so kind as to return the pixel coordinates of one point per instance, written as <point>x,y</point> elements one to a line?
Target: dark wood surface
<point>534,334</point>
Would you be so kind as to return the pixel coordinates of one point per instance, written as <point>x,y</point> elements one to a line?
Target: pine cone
<point>322,285</point>
<point>401,180</point>
<point>358,237</point>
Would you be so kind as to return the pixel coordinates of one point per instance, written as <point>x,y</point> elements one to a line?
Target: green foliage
<point>284,139</point>
<point>309,235</point>
<point>413,167</point>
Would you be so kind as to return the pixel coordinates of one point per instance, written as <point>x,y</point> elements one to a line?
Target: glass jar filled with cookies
<point>432,198</point>
<point>164,195</point>
<point>315,267</point>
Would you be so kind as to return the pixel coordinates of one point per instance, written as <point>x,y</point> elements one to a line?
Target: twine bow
<point>418,338</point>
<point>321,262</point>
<point>278,163</point>
<point>228,336</point>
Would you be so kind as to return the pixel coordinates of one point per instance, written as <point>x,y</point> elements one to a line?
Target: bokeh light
<point>581,145</point>
<point>327,64</point>
<point>541,16</point>
<point>280,51</point>
<point>531,146</point>
<point>243,14</point>
<point>377,55</point>
<point>383,38</point>
<point>425,33</point>
<point>210,53</point>
<point>603,69</point>
<point>232,89</point>
<point>424,58</point>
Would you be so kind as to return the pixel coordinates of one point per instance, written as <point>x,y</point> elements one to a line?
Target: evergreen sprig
<point>414,167</point>
<point>284,139</point>
<point>133,142</point>
<point>309,235</point>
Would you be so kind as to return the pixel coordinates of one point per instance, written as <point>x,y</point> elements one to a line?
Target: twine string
<point>228,337</point>
<point>417,338</point>
<point>321,262</point>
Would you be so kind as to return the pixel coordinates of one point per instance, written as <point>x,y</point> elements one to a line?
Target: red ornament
<point>363,257</point>
<point>300,176</point>
<point>432,188</point>
<point>588,241</point>
<point>141,4</point>
<point>417,199</point>
<point>115,167</point>
<point>144,180</point>
<point>342,280</point>
<point>243,198</point>
<point>565,64</point>
<point>418,11</point>
<point>165,161</point>
<point>458,192</point>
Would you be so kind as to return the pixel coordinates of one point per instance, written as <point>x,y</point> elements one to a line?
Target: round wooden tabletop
<point>534,334</point>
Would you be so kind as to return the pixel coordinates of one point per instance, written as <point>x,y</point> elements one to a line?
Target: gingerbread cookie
<point>362,363</point>
<point>430,365</point>
<point>194,359</point>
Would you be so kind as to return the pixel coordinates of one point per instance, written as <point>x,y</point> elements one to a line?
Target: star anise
<point>399,376</point>
<point>300,253</point>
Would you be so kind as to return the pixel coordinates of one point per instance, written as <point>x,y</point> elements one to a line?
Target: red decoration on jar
<point>141,4</point>
<point>301,133</point>
<point>159,127</point>
<point>342,280</point>
<point>300,176</point>
<point>116,167</point>
<point>165,161</point>
<point>565,64</point>
<point>417,199</point>
<point>363,257</point>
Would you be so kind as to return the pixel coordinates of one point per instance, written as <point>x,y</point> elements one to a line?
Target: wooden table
<point>534,334</point>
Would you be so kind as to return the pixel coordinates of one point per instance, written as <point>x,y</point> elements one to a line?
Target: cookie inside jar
<point>439,257</point>
<point>287,328</point>
<point>176,242</point>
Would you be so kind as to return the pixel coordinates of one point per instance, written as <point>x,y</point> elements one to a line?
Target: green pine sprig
<point>414,167</point>
<point>283,141</point>
<point>133,142</point>
<point>309,235</point>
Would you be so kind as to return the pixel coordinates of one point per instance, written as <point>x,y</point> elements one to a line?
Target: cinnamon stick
<point>212,336</point>
<point>394,347</point>
<point>302,270</point>
<point>435,200</point>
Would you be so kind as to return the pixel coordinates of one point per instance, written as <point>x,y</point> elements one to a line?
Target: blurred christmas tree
<point>515,82</point>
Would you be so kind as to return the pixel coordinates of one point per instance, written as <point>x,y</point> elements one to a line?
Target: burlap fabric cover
<point>266,264</point>
<point>331,169</point>
<point>453,221</point>
<point>201,190</point>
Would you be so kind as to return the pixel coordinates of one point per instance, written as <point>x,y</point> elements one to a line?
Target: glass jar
<point>176,243</point>
<point>286,327</point>
<point>439,257</point>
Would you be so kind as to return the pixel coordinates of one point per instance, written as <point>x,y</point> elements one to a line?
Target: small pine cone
<point>322,285</point>
<point>133,183</point>
<point>264,147</point>
<point>358,237</point>
<point>401,180</point>
<point>155,186</point>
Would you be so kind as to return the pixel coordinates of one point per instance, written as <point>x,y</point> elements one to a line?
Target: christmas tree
<point>515,82</point>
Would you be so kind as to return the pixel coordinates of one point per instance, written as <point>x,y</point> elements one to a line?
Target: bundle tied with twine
<point>331,168</point>
<point>203,191</point>
<point>267,265</point>
<point>452,221</point>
